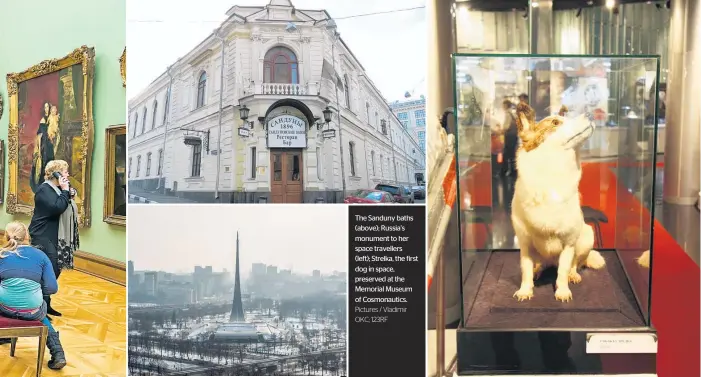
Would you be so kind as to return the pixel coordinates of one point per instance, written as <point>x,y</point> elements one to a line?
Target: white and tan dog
<point>546,210</point>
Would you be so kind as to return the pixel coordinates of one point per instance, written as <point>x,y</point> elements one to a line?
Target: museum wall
<point>98,24</point>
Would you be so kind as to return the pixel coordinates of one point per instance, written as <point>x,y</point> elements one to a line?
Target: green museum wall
<point>29,37</point>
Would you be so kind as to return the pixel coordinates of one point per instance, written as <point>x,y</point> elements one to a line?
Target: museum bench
<point>17,328</point>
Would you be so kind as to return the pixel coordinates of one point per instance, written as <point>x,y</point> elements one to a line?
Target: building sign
<point>287,131</point>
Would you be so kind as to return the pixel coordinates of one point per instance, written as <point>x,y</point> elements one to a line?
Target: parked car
<point>401,194</point>
<point>369,196</point>
<point>419,192</point>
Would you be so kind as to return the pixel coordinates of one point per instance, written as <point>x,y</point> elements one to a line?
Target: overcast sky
<point>392,47</point>
<point>176,238</point>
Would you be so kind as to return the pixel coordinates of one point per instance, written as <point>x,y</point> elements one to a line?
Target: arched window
<point>136,122</point>
<point>346,83</point>
<point>148,164</point>
<point>201,86</point>
<point>138,165</point>
<point>280,66</point>
<point>143,121</point>
<point>155,110</point>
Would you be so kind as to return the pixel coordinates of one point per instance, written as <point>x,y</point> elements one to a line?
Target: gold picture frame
<point>67,125</point>
<point>115,176</point>
<point>123,67</point>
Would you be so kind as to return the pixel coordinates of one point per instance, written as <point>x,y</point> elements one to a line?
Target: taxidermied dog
<point>546,210</point>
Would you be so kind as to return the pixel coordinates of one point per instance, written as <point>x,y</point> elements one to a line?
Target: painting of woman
<point>43,149</point>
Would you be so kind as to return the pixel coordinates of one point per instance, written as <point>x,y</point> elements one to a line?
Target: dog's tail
<point>644,259</point>
<point>595,260</point>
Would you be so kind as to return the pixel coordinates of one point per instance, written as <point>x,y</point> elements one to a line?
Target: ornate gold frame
<point>111,134</point>
<point>123,67</point>
<point>83,55</point>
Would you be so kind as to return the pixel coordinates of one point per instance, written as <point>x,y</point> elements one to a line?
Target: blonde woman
<point>26,276</point>
<point>54,225</point>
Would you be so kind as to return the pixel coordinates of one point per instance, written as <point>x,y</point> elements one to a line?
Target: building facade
<point>316,125</point>
<point>412,115</point>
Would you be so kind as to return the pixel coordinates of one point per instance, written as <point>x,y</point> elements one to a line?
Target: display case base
<point>543,352</point>
<point>500,335</point>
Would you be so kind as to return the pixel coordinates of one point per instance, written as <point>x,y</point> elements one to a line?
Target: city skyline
<point>180,27</point>
<point>315,232</point>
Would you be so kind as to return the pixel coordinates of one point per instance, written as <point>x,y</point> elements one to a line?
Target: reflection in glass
<point>277,168</point>
<point>617,165</point>
<point>120,187</point>
<point>293,167</point>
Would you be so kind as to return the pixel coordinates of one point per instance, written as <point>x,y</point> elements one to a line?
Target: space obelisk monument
<point>237,307</point>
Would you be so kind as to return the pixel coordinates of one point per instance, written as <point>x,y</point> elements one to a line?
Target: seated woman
<point>26,276</point>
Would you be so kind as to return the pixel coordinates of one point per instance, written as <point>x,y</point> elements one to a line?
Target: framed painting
<point>123,67</point>
<point>51,119</point>
<point>115,203</point>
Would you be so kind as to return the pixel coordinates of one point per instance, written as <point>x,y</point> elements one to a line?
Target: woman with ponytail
<point>26,276</point>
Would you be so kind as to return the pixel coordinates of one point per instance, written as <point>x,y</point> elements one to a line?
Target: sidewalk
<point>140,196</point>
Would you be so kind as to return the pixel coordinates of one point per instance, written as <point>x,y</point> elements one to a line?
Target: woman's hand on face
<point>63,182</point>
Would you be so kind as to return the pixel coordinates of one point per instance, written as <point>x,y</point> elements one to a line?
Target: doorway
<point>286,180</point>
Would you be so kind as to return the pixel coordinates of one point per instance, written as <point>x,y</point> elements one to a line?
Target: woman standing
<point>25,276</point>
<point>54,225</point>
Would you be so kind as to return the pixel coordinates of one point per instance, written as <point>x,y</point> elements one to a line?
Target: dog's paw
<point>574,277</point>
<point>524,294</point>
<point>563,294</point>
<point>595,260</point>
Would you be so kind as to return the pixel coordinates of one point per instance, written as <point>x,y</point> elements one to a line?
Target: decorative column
<point>683,117</point>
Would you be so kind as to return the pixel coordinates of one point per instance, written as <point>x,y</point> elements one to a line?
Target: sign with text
<point>287,131</point>
<point>387,291</point>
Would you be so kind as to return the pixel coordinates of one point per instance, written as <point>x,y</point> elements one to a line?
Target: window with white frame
<point>196,160</point>
<point>367,111</point>
<point>201,89</point>
<point>148,164</point>
<point>129,169</point>
<point>347,89</point>
<point>166,107</point>
<point>143,121</point>
<point>138,165</point>
<point>155,111</point>
<point>136,122</point>
<point>160,162</point>
<point>372,160</point>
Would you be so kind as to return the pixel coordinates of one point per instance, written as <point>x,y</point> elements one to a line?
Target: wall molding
<point>101,267</point>
<point>95,265</point>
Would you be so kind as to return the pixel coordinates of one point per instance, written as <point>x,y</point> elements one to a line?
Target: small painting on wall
<point>51,119</point>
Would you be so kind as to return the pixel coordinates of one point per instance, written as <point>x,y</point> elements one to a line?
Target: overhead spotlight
<point>590,2</point>
<point>534,4</point>
<point>579,12</point>
<point>610,3</point>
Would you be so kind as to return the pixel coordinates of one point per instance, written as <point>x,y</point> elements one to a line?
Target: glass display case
<point>565,148</point>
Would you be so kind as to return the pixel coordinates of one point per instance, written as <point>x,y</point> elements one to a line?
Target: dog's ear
<point>525,117</point>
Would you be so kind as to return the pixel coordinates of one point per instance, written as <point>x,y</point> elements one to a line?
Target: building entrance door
<point>286,180</point>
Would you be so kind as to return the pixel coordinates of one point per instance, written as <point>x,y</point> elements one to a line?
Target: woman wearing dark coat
<point>54,225</point>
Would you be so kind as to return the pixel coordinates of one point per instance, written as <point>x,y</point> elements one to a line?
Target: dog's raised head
<point>554,131</point>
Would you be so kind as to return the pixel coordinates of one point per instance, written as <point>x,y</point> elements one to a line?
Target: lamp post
<point>332,27</point>
<point>243,114</point>
<point>221,106</point>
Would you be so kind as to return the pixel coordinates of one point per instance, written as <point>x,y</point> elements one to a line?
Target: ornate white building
<point>284,67</point>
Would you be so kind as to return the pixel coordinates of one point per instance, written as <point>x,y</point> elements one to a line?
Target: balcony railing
<point>283,89</point>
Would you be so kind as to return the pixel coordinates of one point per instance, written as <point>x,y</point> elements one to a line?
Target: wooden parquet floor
<point>93,331</point>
